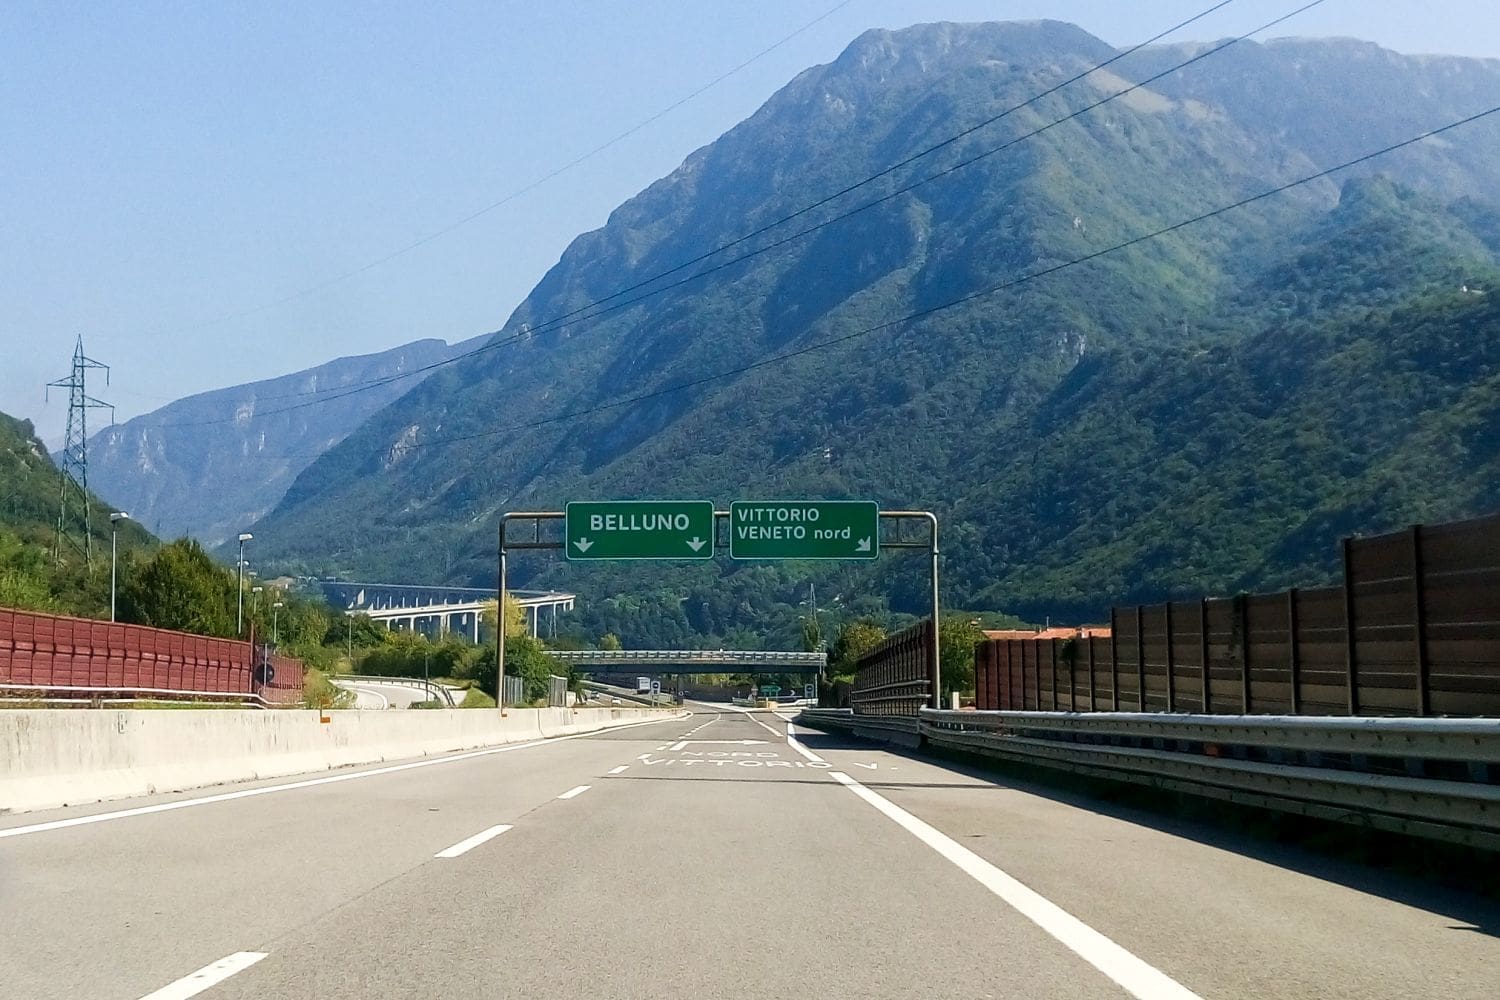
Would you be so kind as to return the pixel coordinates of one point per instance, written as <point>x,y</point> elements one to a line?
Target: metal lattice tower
<point>73,505</point>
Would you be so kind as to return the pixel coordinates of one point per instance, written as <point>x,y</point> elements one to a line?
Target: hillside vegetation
<point>32,576</point>
<point>1203,411</point>
<point>209,465</point>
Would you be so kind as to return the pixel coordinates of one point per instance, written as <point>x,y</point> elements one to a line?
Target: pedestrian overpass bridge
<point>691,661</point>
<point>403,606</point>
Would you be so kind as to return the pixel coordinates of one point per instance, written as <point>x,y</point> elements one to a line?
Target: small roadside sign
<point>804,529</point>
<point>810,691</point>
<point>639,529</point>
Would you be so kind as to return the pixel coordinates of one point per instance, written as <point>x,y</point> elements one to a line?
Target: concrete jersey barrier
<point>59,757</point>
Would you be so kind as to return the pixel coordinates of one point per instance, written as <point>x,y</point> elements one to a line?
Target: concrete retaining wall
<point>51,758</point>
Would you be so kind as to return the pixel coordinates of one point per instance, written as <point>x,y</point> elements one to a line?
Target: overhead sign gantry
<point>689,531</point>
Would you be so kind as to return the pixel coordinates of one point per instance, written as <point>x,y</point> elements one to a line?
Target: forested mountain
<point>32,575</point>
<point>1203,410</point>
<point>209,465</point>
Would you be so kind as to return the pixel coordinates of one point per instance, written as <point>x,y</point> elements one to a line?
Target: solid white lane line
<point>464,846</point>
<point>617,770</point>
<point>573,793</point>
<point>194,983</point>
<point>1139,979</point>
<point>791,739</point>
<point>762,725</point>
<point>63,824</point>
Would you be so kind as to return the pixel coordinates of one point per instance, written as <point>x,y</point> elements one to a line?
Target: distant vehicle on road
<point>643,685</point>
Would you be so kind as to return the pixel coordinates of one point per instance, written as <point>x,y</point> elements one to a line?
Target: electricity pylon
<point>75,459</point>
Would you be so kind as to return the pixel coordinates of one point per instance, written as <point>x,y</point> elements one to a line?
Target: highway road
<point>703,857</point>
<point>375,695</point>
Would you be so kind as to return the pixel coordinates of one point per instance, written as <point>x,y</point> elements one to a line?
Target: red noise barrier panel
<point>86,657</point>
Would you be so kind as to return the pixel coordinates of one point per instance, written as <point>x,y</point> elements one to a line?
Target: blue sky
<point>175,177</point>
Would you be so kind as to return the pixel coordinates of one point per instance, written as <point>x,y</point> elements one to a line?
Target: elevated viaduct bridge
<point>440,609</point>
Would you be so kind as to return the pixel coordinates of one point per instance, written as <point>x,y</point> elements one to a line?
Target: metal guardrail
<point>688,657</point>
<point>901,729</point>
<point>620,693</point>
<point>438,692</point>
<point>79,694</point>
<point>1476,740</point>
<point>1437,778</point>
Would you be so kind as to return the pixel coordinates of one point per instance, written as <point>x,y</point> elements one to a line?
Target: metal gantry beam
<point>698,659</point>
<point>510,539</point>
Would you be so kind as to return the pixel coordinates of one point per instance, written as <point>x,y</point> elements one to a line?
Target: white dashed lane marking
<point>194,983</point>
<point>467,845</point>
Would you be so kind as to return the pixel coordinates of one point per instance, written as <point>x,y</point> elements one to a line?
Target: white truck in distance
<point>643,685</point>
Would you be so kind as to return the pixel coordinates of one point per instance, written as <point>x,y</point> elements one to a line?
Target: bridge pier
<point>403,607</point>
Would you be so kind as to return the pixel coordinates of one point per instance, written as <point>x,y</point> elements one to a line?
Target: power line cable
<point>906,189</point>
<point>549,325</point>
<point>526,189</point>
<point>826,199</point>
<point>970,297</point>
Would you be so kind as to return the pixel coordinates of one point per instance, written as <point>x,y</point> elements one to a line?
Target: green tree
<point>812,635</point>
<point>855,639</point>
<point>956,640</point>
<point>525,657</point>
<point>26,591</point>
<point>609,641</point>
<point>303,623</point>
<point>360,631</point>
<point>515,617</point>
<point>180,588</point>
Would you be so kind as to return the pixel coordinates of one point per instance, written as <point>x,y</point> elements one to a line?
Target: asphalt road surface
<point>705,857</point>
<point>375,695</point>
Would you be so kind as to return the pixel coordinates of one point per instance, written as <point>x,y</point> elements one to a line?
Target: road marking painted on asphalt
<point>359,689</point>
<point>63,824</point>
<point>1133,974</point>
<point>575,792</point>
<point>617,770</point>
<point>791,739</point>
<point>464,846</point>
<point>678,745</point>
<point>194,983</point>
<point>763,725</point>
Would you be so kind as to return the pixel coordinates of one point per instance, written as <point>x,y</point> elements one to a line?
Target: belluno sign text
<point>640,529</point>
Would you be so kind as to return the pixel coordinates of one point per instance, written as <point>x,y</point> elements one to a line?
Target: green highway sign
<point>639,529</point>
<point>804,529</point>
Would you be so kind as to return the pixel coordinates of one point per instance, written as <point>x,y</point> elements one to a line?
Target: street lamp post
<point>255,598</point>
<point>275,614</point>
<point>239,614</point>
<point>114,532</point>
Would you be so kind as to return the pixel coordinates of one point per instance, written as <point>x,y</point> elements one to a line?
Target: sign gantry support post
<point>660,535</point>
